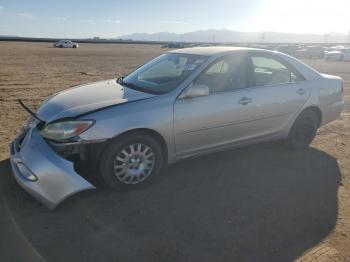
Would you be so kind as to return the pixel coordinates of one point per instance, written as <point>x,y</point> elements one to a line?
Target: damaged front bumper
<point>42,172</point>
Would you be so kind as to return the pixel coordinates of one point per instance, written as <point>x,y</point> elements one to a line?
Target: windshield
<point>164,73</point>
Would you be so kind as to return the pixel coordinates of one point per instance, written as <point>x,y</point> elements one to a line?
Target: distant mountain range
<point>234,36</point>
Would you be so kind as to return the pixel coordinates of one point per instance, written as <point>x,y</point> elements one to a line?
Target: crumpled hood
<point>85,98</point>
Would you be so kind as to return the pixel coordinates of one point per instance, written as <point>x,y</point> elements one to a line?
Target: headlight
<point>66,129</point>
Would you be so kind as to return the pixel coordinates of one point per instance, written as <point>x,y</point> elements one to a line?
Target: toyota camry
<point>181,104</point>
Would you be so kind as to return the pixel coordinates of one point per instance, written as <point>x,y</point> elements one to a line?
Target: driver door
<point>209,121</point>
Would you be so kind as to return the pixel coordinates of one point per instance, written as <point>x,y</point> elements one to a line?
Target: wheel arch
<point>156,135</point>
<point>315,109</point>
<point>99,149</point>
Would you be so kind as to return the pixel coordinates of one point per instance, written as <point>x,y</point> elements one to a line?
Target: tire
<point>303,130</point>
<point>74,46</point>
<point>61,46</point>
<point>135,169</point>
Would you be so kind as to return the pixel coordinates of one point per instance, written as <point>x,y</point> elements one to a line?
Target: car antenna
<point>29,111</point>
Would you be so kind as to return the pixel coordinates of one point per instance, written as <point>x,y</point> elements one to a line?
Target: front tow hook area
<point>43,173</point>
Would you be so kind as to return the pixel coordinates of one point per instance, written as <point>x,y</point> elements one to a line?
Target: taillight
<point>342,87</point>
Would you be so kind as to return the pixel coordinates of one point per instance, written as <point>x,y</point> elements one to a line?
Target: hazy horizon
<point>110,19</point>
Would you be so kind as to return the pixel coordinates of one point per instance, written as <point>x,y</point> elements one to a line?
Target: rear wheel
<point>303,130</point>
<point>130,161</point>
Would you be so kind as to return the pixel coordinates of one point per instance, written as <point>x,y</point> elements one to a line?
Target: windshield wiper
<point>141,89</point>
<point>120,80</point>
<point>131,85</point>
<point>30,111</point>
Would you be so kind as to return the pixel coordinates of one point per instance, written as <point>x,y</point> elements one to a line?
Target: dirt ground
<point>259,203</point>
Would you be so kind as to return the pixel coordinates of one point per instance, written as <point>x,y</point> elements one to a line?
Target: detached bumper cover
<point>55,177</point>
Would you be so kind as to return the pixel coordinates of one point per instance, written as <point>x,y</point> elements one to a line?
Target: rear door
<point>276,92</point>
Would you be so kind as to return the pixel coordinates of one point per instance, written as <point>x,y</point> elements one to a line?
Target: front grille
<point>12,148</point>
<point>20,138</point>
<point>20,143</point>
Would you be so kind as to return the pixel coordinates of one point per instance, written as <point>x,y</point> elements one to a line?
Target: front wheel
<point>303,130</point>
<point>130,161</point>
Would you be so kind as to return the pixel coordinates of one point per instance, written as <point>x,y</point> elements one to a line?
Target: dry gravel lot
<point>259,203</point>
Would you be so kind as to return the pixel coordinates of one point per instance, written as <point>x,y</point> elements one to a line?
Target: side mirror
<point>195,91</point>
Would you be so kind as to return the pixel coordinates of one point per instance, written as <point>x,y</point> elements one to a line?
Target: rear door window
<point>267,70</point>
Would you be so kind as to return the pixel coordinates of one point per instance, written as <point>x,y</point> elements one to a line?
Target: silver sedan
<point>181,104</point>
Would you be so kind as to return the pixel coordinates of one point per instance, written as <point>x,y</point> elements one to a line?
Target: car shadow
<point>260,203</point>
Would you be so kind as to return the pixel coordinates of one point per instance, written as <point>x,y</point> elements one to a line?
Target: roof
<point>211,50</point>
<point>217,51</point>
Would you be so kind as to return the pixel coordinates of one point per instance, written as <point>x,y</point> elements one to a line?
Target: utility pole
<point>262,37</point>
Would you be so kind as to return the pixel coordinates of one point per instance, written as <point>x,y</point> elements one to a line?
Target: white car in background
<point>341,54</point>
<point>65,44</point>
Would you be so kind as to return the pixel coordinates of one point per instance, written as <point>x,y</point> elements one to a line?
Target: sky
<point>109,19</point>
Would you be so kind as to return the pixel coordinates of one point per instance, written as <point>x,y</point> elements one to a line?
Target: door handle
<point>301,91</point>
<point>245,100</point>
